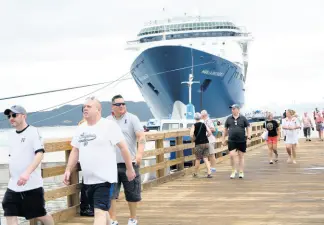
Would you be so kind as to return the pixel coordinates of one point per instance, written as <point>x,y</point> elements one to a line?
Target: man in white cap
<point>25,194</point>
<point>238,129</point>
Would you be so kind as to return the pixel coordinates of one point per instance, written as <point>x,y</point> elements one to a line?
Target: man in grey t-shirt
<point>238,129</point>
<point>133,131</point>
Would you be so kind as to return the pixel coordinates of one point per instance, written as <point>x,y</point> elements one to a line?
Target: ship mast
<point>190,82</point>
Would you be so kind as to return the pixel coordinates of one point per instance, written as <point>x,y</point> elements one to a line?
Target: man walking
<point>307,126</point>
<point>237,126</point>
<point>212,140</point>
<point>94,145</point>
<point>25,194</point>
<point>132,130</point>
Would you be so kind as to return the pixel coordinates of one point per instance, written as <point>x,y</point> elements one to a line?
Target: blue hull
<point>159,71</point>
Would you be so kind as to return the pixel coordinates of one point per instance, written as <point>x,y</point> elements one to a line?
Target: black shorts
<point>29,204</point>
<point>132,189</point>
<point>99,195</point>
<point>241,146</point>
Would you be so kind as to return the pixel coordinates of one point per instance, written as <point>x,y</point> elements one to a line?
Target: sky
<point>46,45</point>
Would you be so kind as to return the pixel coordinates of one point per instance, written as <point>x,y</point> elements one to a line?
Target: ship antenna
<point>190,107</point>
<point>192,62</point>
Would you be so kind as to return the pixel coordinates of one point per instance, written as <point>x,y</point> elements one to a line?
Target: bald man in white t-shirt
<point>94,145</point>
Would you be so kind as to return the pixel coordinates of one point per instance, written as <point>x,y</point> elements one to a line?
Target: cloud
<point>54,44</point>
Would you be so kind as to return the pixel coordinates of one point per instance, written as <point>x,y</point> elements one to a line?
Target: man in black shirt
<point>235,127</point>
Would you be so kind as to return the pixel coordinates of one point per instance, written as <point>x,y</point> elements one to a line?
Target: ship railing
<point>156,160</point>
<point>183,19</point>
<point>134,42</point>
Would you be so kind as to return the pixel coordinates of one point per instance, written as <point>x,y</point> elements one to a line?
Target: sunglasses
<point>119,104</point>
<point>14,115</point>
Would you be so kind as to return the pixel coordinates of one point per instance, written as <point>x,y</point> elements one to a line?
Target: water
<point>59,157</point>
<point>46,132</point>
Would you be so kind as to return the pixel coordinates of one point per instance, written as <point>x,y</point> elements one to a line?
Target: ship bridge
<point>188,27</point>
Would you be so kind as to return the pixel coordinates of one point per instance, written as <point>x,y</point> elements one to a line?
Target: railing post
<point>254,128</point>
<point>179,154</point>
<point>159,158</point>
<point>33,222</point>
<point>74,199</point>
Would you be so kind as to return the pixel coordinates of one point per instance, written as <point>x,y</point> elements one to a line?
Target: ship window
<point>205,85</point>
<point>153,88</point>
<point>170,126</point>
<point>189,125</point>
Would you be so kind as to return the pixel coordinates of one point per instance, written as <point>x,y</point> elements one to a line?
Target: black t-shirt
<point>236,128</point>
<point>200,133</point>
<point>272,126</point>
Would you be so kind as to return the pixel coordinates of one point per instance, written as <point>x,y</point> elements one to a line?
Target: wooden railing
<point>161,167</point>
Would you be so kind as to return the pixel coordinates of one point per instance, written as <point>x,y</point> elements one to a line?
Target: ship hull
<point>159,71</point>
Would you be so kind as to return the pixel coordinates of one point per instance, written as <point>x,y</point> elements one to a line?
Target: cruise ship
<point>187,64</point>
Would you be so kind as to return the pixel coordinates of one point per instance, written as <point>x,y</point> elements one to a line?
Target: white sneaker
<point>114,222</point>
<point>233,174</point>
<point>132,222</point>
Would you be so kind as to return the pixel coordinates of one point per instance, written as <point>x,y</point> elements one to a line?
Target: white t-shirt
<point>97,153</point>
<point>210,124</point>
<point>23,147</point>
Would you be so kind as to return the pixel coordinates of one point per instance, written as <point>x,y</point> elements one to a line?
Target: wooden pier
<point>269,194</point>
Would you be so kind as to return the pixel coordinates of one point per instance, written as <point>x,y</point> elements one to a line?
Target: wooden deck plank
<point>268,195</point>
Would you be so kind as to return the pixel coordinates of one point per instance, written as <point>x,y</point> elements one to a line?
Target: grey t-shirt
<point>236,128</point>
<point>129,124</point>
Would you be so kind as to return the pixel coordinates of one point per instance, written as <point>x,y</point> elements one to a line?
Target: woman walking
<point>291,125</point>
<point>272,127</point>
<point>200,133</point>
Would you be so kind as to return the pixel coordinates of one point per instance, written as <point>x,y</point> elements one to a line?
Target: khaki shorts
<point>212,149</point>
<point>201,151</point>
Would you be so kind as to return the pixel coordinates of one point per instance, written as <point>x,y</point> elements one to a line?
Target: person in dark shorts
<point>236,126</point>
<point>272,126</point>
<point>24,196</point>
<point>94,145</point>
<point>133,131</point>
<point>200,132</point>
<point>307,126</point>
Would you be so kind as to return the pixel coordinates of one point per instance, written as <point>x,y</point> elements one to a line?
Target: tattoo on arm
<point>142,141</point>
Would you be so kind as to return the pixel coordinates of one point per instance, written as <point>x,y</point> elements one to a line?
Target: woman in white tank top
<point>291,126</point>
